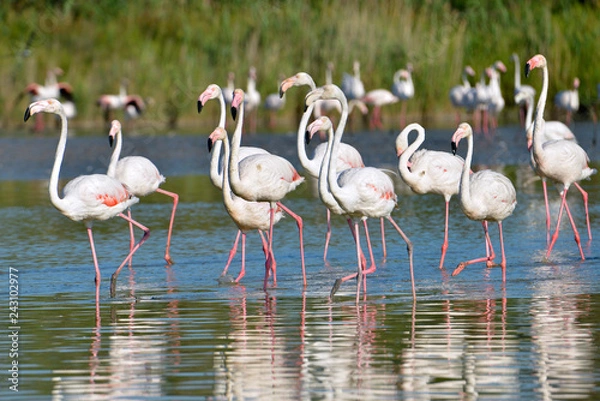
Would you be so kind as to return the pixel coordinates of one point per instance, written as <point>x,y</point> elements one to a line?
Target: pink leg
<point>270,264</point>
<point>503,263</point>
<point>175,202</point>
<point>113,279</point>
<point>327,235</point>
<point>131,236</point>
<point>300,225</point>
<point>359,273</point>
<point>98,275</point>
<point>243,270</point>
<point>488,258</point>
<point>409,248</point>
<point>403,116</point>
<point>445,244</point>
<point>584,194</point>
<point>545,188</point>
<point>232,252</point>
<point>382,226</point>
<point>372,268</point>
<point>564,205</point>
<point>575,232</point>
<point>361,260</point>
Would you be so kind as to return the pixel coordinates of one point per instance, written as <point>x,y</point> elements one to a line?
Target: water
<point>176,333</point>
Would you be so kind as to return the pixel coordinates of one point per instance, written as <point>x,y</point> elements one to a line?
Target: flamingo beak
<point>527,70</point>
<point>111,140</point>
<point>454,148</point>
<point>210,145</point>
<point>27,114</point>
<point>307,137</point>
<point>200,105</point>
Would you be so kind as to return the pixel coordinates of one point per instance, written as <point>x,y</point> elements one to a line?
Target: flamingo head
<point>218,134</point>
<point>576,83</point>
<point>46,106</point>
<point>320,124</point>
<point>464,130</point>
<point>537,61</point>
<point>212,91</point>
<point>499,66</point>
<point>115,129</point>
<point>470,71</point>
<point>238,99</point>
<point>299,79</point>
<point>324,93</point>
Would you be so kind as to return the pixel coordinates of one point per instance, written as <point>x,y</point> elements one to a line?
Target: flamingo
<point>246,215</point>
<point>252,99</point>
<point>568,100</point>
<point>325,106</point>
<point>484,196</point>
<point>378,98</point>
<point>273,103</point>
<point>132,105</point>
<point>49,90</point>
<point>141,177</point>
<point>563,162</point>
<point>430,171</point>
<point>228,92</point>
<point>553,130</point>
<point>87,198</point>
<point>352,85</point>
<point>349,157</point>
<point>262,177</point>
<point>462,95</point>
<point>496,100</point>
<point>404,89</point>
<point>361,192</point>
<point>521,91</point>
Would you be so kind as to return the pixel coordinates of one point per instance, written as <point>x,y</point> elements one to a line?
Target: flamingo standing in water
<point>262,177</point>
<point>521,92</point>
<point>252,100</point>
<point>52,89</point>
<point>324,107</point>
<point>404,89</point>
<point>246,215</point>
<point>428,171</point>
<point>484,196</point>
<point>88,197</point>
<point>568,100</point>
<point>462,96</point>
<point>564,162</point>
<point>132,105</point>
<point>352,85</point>
<point>361,192</point>
<point>228,92</point>
<point>378,98</point>
<point>141,177</point>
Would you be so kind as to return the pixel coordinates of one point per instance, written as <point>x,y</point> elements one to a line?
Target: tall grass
<point>171,50</point>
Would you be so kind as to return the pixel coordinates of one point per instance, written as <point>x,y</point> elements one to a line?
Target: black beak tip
<point>453,144</point>
<point>281,93</point>
<point>27,114</point>
<point>306,137</point>
<point>200,106</point>
<point>233,112</point>
<point>209,145</point>
<point>527,70</point>
<point>110,140</point>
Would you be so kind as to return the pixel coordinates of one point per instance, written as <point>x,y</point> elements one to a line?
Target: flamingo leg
<point>545,188</point>
<point>503,263</point>
<point>563,206</point>
<point>489,253</point>
<point>300,225</point>
<point>175,202</point>
<point>98,275</point>
<point>382,226</point>
<point>403,115</point>
<point>359,272</point>
<point>445,243</point>
<point>113,279</point>
<point>372,268</point>
<point>409,249</point>
<point>584,194</point>
<point>270,264</point>
<point>243,270</point>
<point>131,236</point>
<point>327,235</point>
<point>232,252</point>
<point>575,232</point>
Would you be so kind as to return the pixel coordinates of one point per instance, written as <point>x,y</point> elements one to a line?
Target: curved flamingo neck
<point>517,71</point>
<point>56,200</point>
<point>465,79</point>
<point>324,189</point>
<point>236,140</point>
<point>465,187</point>
<point>216,175</point>
<point>114,158</point>
<point>406,174</point>
<point>538,124</point>
<point>334,187</point>
<point>226,187</point>
<point>310,165</point>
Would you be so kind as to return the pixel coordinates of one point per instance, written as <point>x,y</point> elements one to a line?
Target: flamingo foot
<point>461,266</point>
<point>490,263</point>
<point>336,286</point>
<point>168,259</point>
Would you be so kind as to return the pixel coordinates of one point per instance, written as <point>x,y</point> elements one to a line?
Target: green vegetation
<point>171,50</point>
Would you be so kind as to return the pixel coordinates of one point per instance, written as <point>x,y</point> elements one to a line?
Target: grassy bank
<point>171,50</point>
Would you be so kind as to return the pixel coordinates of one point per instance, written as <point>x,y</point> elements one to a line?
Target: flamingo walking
<point>141,177</point>
<point>262,177</point>
<point>568,100</point>
<point>378,98</point>
<point>484,196</point>
<point>87,198</point>
<point>428,171</point>
<point>361,192</point>
<point>246,215</point>
<point>404,89</point>
<point>563,162</point>
<point>521,92</point>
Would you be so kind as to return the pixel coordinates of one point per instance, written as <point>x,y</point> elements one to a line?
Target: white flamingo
<point>273,103</point>
<point>132,105</point>
<point>228,92</point>
<point>252,100</point>
<point>521,91</point>
<point>378,98</point>
<point>496,100</point>
<point>246,215</point>
<point>87,198</point>
<point>352,85</point>
<point>428,171</point>
<point>361,192</point>
<point>568,100</point>
<point>262,177</point>
<point>462,96</point>
<point>484,196</point>
<point>141,177</point>
<point>349,157</point>
<point>563,162</point>
<point>52,89</point>
<point>404,89</point>
<point>326,106</point>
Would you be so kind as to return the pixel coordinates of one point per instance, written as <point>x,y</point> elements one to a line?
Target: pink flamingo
<point>52,89</point>
<point>553,130</point>
<point>88,197</point>
<point>568,100</point>
<point>361,192</point>
<point>561,161</point>
<point>246,215</point>
<point>273,103</point>
<point>228,92</point>
<point>484,196</point>
<point>496,100</point>
<point>378,98</point>
<point>352,85</point>
<point>428,171</point>
<point>349,157</point>
<point>141,177</point>
<point>262,177</point>
<point>404,89</point>
<point>324,107</point>
<point>132,105</point>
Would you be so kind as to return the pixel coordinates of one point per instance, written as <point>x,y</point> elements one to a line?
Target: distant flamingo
<point>273,103</point>
<point>324,107</point>
<point>461,96</point>
<point>228,92</point>
<point>352,85</point>
<point>521,91</point>
<point>496,100</point>
<point>262,177</point>
<point>561,161</point>
<point>484,196</point>
<point>404,89</point>
<point>140,176</point>
<point>88,197</point>
<point>252,101</point>
<point>378,98</point>
<point>360,192</point>
<point>246,215</point>
<point>568,100</point>
<point>132,105</point>
<point>49,90</point>
<point>428,171</point>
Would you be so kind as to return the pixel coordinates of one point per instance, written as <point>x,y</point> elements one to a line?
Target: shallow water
<point>177,333</point>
